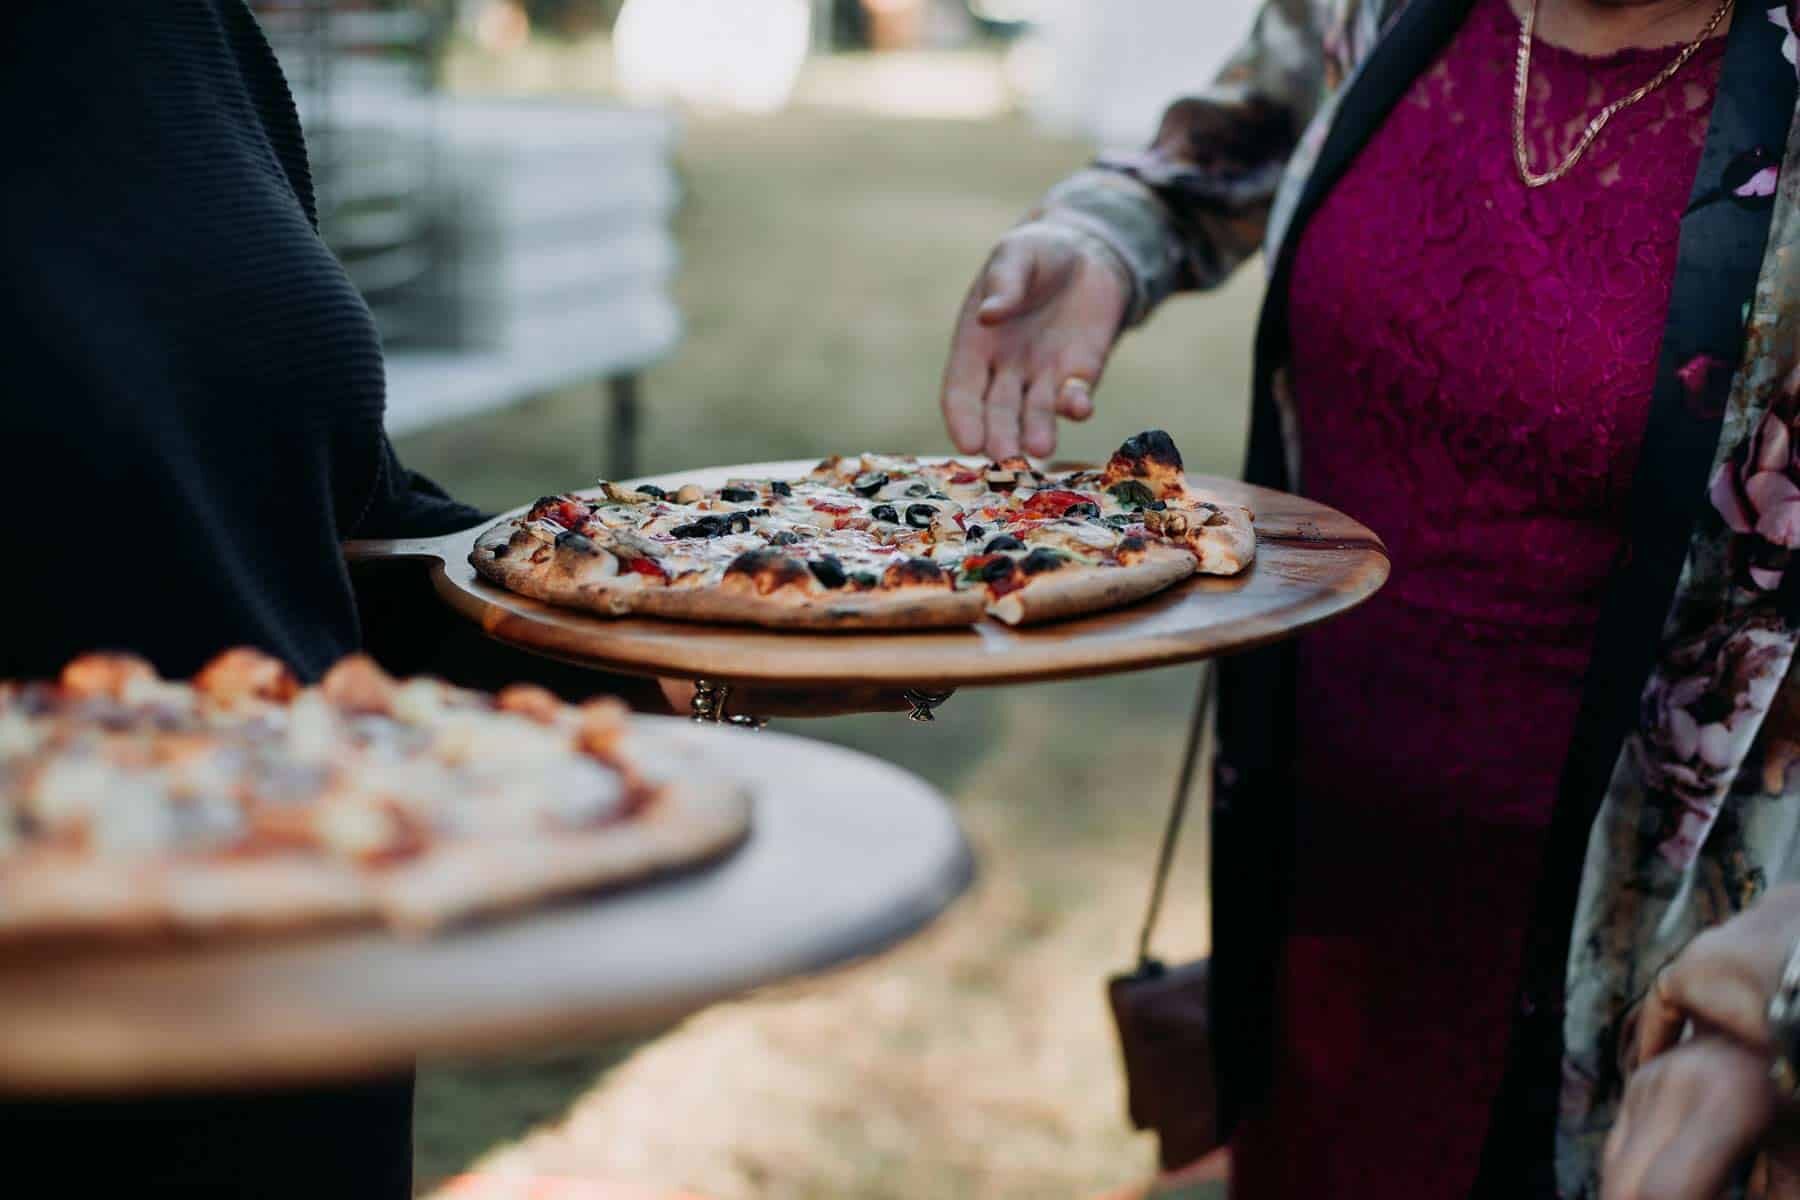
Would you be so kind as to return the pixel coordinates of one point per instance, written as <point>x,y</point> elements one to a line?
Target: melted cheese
<point>863,547</point>
<point>355,829</point>
<point>313,728</point>
<point>19,735</point>
<point>495,740</point>
<point>419,701</point>
<point>124,812</point>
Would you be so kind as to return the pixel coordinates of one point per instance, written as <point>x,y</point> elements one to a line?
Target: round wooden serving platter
<point>846,855</point>
<point>1312,563</point>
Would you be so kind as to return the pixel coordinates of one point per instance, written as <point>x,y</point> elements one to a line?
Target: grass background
<point>824,256</point>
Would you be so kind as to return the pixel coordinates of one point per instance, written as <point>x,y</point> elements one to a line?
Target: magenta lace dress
<point>1473,365</point>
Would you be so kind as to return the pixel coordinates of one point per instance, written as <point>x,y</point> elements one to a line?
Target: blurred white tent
<point>736,55</point>
<point>1107,68</point>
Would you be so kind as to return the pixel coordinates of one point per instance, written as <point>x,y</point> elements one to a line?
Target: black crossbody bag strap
<point>1198,749</point>
<point>1163,1012</point>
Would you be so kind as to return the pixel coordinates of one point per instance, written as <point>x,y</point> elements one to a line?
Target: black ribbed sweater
<point>191,421</point>
<point>194,390</point>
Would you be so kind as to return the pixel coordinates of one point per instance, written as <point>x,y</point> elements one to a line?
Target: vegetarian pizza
<point>877,541</point>
<point>132,806</point>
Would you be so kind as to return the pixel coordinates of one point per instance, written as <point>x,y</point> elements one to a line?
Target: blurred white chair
<point>506,248</point>
<point>556,265</point>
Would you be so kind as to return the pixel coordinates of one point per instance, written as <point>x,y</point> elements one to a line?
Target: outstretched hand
<point>1031,341</point>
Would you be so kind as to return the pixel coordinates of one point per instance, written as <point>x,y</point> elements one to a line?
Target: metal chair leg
<point>622,426</point>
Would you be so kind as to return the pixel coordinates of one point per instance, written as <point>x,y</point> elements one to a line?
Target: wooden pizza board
<point>1312,563</point>
<point>846,855</point>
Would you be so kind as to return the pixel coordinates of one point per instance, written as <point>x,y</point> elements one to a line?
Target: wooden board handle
<point>437,549</point>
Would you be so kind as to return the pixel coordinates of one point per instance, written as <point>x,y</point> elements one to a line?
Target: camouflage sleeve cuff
<point>1128,219</point>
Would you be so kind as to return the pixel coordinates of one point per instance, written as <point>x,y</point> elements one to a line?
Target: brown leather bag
<point>1165,1036</point>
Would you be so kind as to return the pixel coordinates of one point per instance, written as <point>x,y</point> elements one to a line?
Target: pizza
<point>133,806</point>
<point>877,541</point>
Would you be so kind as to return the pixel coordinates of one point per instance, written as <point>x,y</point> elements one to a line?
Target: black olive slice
<point>885,512</point>
<point>737,495</point>
<point>975,533</point>
<point>580,543</point>
<point>998,569</point>
<point>1042,560</point>
<point>917,489</point>
<point>920,516</point>
<point>651,490</point>
<point>780,488</point>
<point>867,579</point>
<point>786,537</point>
<point>829,572</point>
<point>868,483</point>
<point>709,526</point>
<point>1005,541</point>
<point>1084,508</point>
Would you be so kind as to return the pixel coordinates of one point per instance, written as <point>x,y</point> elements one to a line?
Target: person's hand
<point>762,701</point>
<point>1031,340</point>
<point>1689,1118</point>
<point>1724,979</point>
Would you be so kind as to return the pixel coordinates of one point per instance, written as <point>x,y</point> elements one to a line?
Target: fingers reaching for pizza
<point>878,542</point>
<point>1032,339</point>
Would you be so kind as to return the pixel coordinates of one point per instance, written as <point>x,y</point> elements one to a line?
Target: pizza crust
<point>731,601</point>
<point>692,822</point>
<point>903,608</point>
<point>497,559</point>
<point>70,901</point>
<point>1227,547</point>
<point>1069,593</point>
<point>76,900</point>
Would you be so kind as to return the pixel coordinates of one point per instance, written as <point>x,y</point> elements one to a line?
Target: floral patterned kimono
<point>1676,807</point>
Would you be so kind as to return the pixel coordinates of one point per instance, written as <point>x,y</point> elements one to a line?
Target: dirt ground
<point>824,255</point>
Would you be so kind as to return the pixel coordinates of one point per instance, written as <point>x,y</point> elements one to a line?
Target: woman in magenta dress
<point>1468,320</point>
<point>1482,410</point>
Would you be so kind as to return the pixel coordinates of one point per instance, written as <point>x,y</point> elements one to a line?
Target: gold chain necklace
<point>1522,156</point>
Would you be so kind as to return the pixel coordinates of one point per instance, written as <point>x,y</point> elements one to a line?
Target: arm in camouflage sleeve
<point>1185,212</point>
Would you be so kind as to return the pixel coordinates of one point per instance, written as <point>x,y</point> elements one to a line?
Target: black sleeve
<point>411,631</point>
<point>406,504</point>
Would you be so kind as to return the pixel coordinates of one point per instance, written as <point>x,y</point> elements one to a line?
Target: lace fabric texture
<point>1473,363</point>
